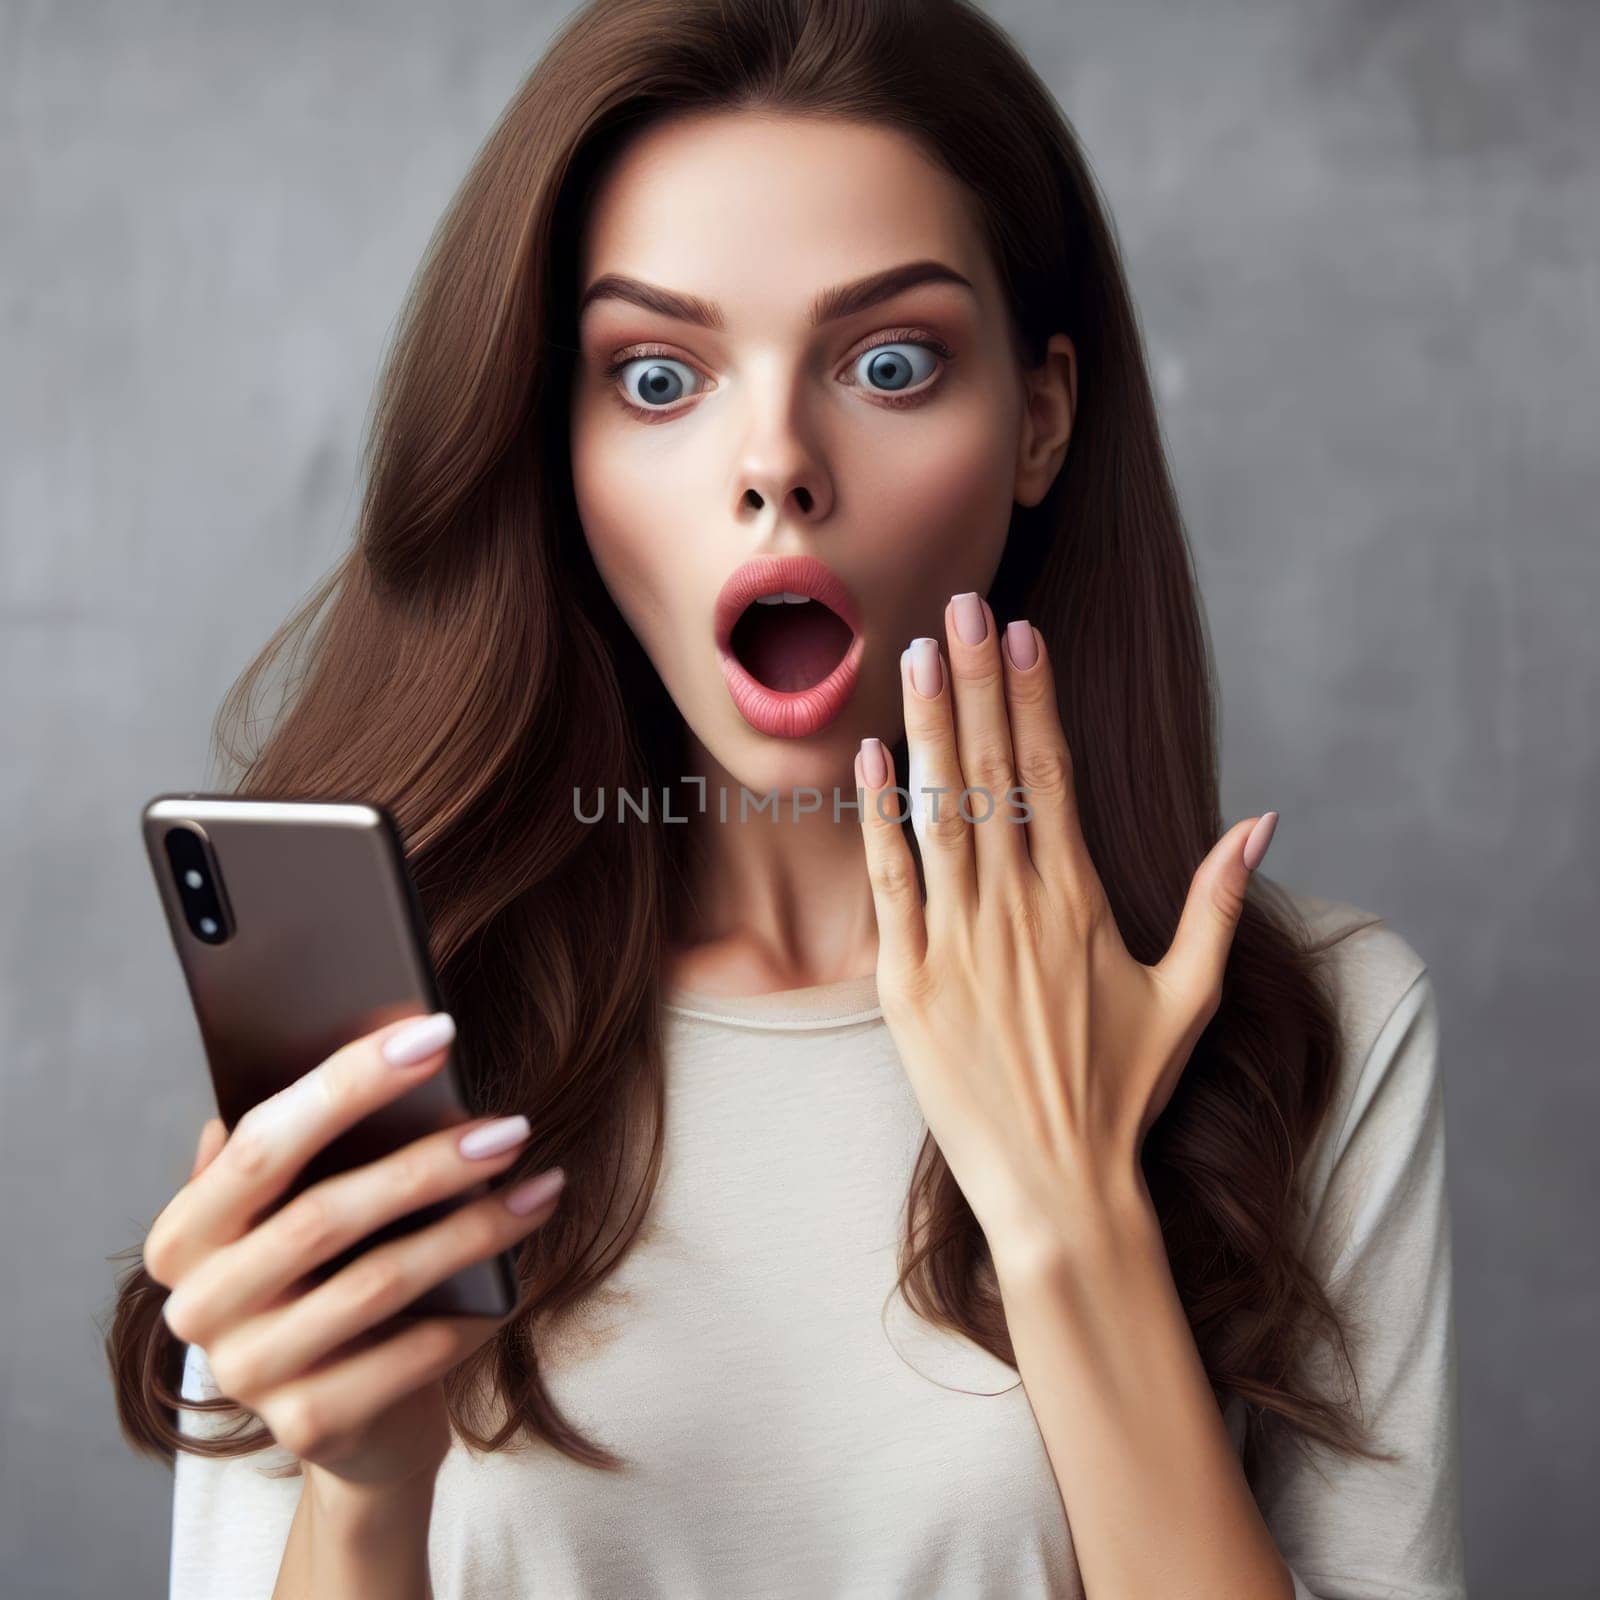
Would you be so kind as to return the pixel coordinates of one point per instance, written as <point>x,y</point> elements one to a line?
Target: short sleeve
<point>230,1520</point>
<point>1348,1527</point>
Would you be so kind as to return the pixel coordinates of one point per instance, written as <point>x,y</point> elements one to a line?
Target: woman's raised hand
<point>352,1396</point>
<point>1039,1049</point>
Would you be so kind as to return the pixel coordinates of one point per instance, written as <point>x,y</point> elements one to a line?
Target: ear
<point>1050,402</point>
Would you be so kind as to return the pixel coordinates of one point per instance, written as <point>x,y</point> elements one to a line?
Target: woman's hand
<point>1040,1050</point>
<point>337,1382</point>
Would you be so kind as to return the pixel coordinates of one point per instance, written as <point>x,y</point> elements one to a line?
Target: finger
<point>308,1416</point>
<point>983,741</point>
<point>248,1275</point>
<point>1044,766</point>
<point>896,895</point>
<point>274,1348</point>
<point>213,1135</point>
<point>934,781</point>
<point>1194,966</point>
<point>276,1137</point>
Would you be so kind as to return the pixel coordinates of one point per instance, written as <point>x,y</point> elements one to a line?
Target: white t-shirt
<point>790,1443</point>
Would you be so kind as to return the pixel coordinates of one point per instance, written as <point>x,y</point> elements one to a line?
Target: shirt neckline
<point>820,1005</point>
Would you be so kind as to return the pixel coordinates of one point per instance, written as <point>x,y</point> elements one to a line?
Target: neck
<point>780,895</point>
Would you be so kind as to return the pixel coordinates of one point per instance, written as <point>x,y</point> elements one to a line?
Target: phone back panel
<point>328,942</point>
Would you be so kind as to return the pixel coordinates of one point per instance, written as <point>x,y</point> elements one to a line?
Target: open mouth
<point>789,641</point>
<point>789,636</point>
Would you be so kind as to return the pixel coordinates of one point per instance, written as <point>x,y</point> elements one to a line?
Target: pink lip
<point>795,713</point>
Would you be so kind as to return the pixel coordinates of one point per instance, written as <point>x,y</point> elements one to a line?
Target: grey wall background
<point>1364,240</point>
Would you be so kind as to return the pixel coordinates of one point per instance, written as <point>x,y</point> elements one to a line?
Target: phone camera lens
<point>199,884</point>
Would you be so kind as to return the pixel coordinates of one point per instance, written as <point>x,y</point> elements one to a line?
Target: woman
<point>1038,1204</point>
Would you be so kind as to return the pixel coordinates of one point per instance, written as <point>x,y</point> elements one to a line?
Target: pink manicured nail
<point>493,1138</point>
<point>927,675</point>
<point>419,1039</point>
<point>972,626</point>
<point>1021,645</point>
<point>529,1196</point>
<point>1255,847</point>
<point>874,765</point>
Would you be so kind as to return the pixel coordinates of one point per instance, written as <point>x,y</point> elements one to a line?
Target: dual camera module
<point>199,887</point>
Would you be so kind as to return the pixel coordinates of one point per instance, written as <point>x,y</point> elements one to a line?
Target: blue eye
<point>887,367</point>
<point>659,383</point>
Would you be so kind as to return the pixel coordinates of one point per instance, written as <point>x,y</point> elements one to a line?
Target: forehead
<point>758,211</point>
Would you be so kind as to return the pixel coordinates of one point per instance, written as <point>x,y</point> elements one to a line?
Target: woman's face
<point>773,410</point>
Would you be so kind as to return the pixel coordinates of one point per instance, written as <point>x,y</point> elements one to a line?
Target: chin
<point>761,763</point>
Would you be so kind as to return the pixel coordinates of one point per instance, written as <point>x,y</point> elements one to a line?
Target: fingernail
<point>1255,847</point>
<point>972,626</point>
<point>419,1039</point>
<point>1021,645</point>
<point>874,768</point>
<point>493,1138</point>
<point>531,1195</point>
<point>927,676</point>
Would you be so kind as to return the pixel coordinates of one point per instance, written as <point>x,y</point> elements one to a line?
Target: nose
<point>780,466</point>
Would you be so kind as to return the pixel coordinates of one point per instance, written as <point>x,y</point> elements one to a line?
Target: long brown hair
<point>464,666</point>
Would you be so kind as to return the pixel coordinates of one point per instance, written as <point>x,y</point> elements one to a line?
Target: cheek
<point>941,498</point>
<point>620,510</point>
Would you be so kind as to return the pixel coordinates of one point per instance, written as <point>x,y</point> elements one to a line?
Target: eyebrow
<point>842,300</point>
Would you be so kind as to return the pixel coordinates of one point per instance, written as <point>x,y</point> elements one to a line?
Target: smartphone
<point>299,928</point>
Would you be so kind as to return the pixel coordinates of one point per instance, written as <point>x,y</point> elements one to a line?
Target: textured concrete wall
<point>1363,237</point>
